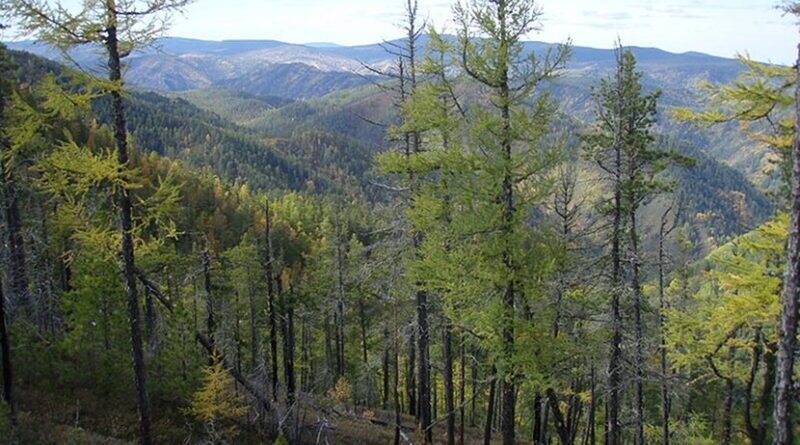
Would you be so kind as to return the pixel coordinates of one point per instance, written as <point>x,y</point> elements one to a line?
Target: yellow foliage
<point>216,399</point>
<point>341,391</point>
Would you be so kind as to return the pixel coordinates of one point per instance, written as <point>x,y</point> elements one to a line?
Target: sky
<point>719,27</point>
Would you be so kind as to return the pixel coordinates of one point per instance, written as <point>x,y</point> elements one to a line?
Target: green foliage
<point>281,440</point>
<point>758,101</point>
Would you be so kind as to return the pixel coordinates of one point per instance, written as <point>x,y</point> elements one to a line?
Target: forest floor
<point>83,417</point>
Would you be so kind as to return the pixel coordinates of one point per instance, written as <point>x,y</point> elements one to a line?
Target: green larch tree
<point>119,27</point>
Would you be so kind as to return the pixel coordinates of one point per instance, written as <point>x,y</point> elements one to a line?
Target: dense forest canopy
<point>460,236</point>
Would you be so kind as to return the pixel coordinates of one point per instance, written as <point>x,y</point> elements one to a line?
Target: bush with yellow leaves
<point>217,405</point>
<point>341,390</point>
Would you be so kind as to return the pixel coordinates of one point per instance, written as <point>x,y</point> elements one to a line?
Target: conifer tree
<point>787,342</point>
<point>119,27</point>
<point>509,135</point>
<point>5,341</point>
<point>621,146</point>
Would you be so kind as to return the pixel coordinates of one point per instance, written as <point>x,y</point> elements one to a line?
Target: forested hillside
<point>449,238</point>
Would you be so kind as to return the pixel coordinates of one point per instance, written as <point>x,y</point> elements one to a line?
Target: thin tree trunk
<point>727,413</point>
<point>8,371</point>
<point>666,401</point>
<point>613,426</point>
<point>423,368</point>
<point>271,307</point>
<point>396,380</point>
<point>449,405</point>
<point>487,429</point>
<point>338,317</point>
<point>639,340</point>
<point>253,321</point>
<point>411,386</point>
<point>462,390</point>
<point>362,315</point>
<point>787,340</point>
<point>211,324</point>
<point>126,228</point>
<point>150,321</point>
<point>17,270</point>
<point>385,367</point>
<point>474,389</point>
<point>287,328</point>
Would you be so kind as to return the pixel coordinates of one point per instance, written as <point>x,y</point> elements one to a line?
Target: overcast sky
<point>719,27</point>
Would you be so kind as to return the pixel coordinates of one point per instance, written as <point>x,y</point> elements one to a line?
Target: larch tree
<point>505,140</point>
<point>620,144</point>
<point>765,101</point>
<point>787,341</point>
<point>119,27</point>
<point>5,341</point>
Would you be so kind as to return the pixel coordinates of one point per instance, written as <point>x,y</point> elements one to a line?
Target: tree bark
<point>666,401</point>
<point>385,367</point>
<point>211,324</point>
<point>639,340</point>
<point>423,368</point>
<point>462,390</point>
<point>613,426</point>
<point>253,322</point>
<point>273,328</point>
<point>487,429</point>
<point>787,340</point>
<point>8,370</point>
<point>127,264</point>
<point>287,326</point>
<point>449,405</point>
<point>362,315</point>
<point>17,270</point>
<point>411,386</point>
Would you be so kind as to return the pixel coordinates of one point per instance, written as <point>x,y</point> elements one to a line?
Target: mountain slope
<point>174,127</point>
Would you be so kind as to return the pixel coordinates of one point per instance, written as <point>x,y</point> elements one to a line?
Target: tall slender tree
<point>119,27</point>
<point>787,341</point>
<point>490,51</point>
<point>5,341</point>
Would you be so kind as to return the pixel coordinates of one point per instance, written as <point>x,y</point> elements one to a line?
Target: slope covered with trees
<point>484,247</point>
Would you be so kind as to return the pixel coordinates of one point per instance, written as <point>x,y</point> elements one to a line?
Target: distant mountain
<point>245,129</point>
<point>267,66</point>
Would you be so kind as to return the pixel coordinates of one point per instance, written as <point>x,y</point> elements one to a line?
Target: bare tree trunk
<point>287,328</point>
<point>462,390</point>
<point>787,340</point>
<point>396,381</point>
<point>273,328</point>
<point>211,324</point>
<point>487,429</point>
<point>666,401</point>
<point>474,389</point>
<point>449,405</point>
<point>127,264</point>
<point>17,270</point>
<point>727,413</point>
<point>385,367</point>
<point>338,316</point>
<point>411,386</point>
<point>8,372</point>
<point>253,321</point>
<point>150,321</point>
<point>423,368</point>
<point>639,340</point>
<point>362,315</point>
